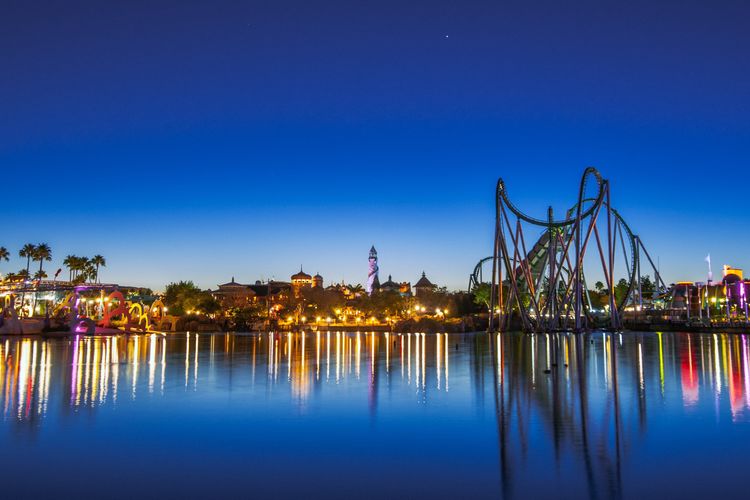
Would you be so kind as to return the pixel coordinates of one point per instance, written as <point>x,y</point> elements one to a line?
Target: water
<point>342,415</point>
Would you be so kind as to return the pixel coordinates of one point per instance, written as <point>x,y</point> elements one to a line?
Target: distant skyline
<point>201,141</point>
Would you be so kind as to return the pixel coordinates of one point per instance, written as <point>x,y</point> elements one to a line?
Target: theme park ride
<point>543,287</point>
<point>80,309</point>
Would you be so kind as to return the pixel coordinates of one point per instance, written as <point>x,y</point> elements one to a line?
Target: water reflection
<point>578,404</point>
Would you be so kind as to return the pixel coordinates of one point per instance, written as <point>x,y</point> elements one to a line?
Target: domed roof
<point>301,275</point>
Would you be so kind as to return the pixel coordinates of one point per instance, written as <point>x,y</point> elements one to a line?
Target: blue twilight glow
<point>208,140</point>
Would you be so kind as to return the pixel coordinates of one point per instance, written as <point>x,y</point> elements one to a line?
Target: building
<point>301,280</point>
<point>233,294</point>
<point>390,286</point>
<point>403,288</point>
<point>423,286</point>
<point>317,281</point>
<point>373,283</point>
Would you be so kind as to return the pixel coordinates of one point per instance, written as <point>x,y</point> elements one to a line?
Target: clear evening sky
<point>205,140</point>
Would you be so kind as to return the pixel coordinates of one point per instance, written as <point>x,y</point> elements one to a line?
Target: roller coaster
<point>545,289</point>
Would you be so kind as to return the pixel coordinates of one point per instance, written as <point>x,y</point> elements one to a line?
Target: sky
<point>206,140</point>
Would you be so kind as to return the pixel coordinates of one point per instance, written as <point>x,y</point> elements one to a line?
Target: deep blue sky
<point>202,140</point>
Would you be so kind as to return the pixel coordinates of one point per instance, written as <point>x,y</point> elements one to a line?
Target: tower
<point>373,283</point>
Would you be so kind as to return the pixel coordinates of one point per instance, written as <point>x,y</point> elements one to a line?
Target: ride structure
<point>543,287</point>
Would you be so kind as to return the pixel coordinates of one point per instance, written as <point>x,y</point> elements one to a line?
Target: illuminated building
<point>234,294</point>
<point>423,285</point>
<point>301,280</point>
<point>373,283</point>
<point>317,281</point>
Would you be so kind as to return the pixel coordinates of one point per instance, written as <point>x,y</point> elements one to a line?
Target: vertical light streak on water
<point>269,364</point>
<point>417,358</point>
<point>357,357</point>
<point>746,371</point>
<point>328,355</point>
<point>703,358</point>
<point>640,366</point>
<point>289,356</point>
<point>446,363</point>
<point>547,350</point>
<point>151,362</point>
<point>408,359</point>
<point>163,347</point>
<point>438,355</point>
<point>187,358</point>
<point>195,361</point>
<point>74,372</point>
<point>499,351</point>
<point>115,366</point>
<point>87,372</point>
<point>424,361</point>
<point>717,365</point>
<point>40,400</point>
<point>277,359</point>
<point>256,340</point>
<point>402,357</point>
<point>104,370</point>
<point>533,360</point>
<point>134,361</point>
<point>372,353</point>
<point>338,356</point>
<point>302,334</point>
<point>387,352</point>
<point>95,373</point>
<point>33,389</point>
<point>24,365</point>
<point>724,362</point>
<point>350,349</point>
<point>661,361</point>
<point>605,360</point>
<point>317,355</point>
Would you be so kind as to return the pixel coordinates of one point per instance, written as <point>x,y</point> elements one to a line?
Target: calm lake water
<point>342,415</point>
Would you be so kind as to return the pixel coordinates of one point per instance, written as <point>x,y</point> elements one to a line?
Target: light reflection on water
<point>599,415</point>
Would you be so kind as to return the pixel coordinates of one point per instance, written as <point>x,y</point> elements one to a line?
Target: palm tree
<point>4,254</point>
<point>97,261</point>
<point>40,275</point>
<point>43,252</point>
<point>23,274</point>
<point>69,262</point>
<point>27,251</point>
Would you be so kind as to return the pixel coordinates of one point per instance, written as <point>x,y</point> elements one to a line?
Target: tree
<point>621,289</point>
<point>69,262</point>
<point>186,296</point>
<point>4,254</point>
<point>647,286</point>
<point>97,261</point>
<point>41,253</point>
<point>482,293</point>
<point>27,251</point>
<point>40,275</point>
<point>23,274</point>
<point>599,287</point>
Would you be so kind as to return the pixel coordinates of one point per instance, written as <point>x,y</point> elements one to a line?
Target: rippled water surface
<point>342,415</point>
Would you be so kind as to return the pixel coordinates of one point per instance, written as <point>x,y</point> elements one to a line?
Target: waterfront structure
<point>317,281</point>
<point>390,286</point>
<point>233,294</point>
<point>423,286</point>
<point>373,283</point>
<point>301,280</point>
<point>544,284</point>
